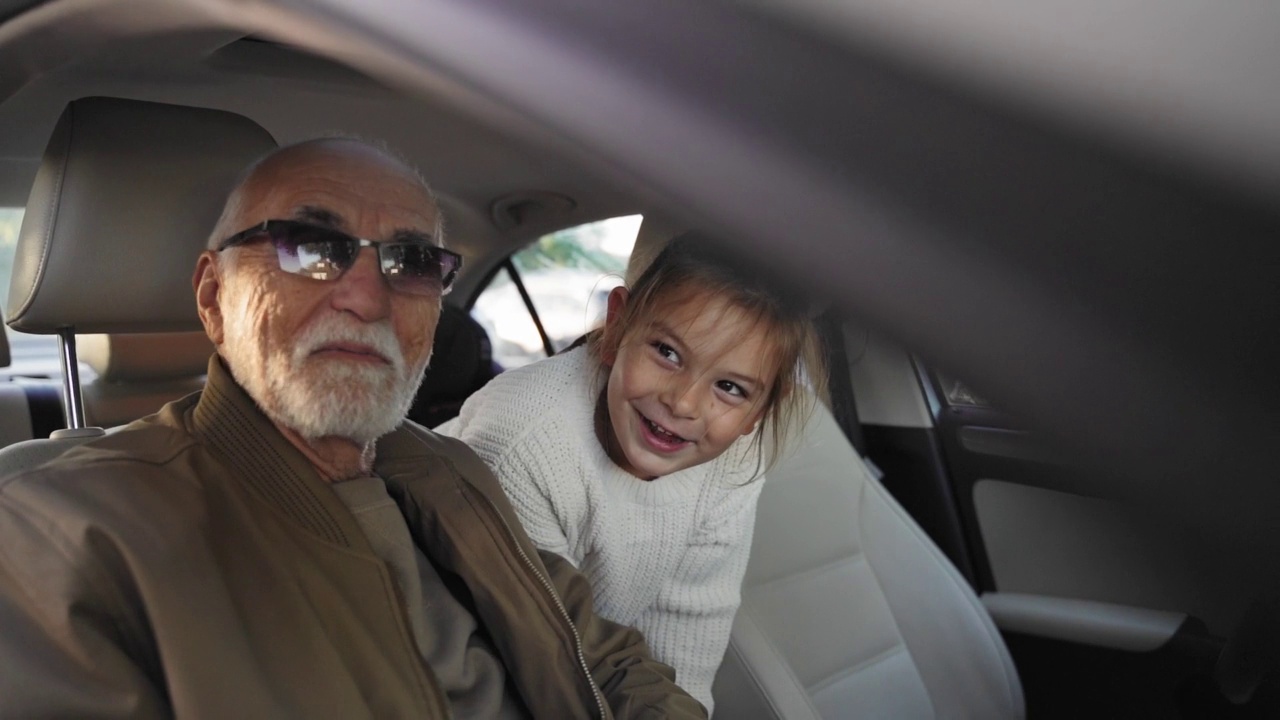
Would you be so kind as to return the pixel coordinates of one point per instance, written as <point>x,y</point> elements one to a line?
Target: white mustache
<point>378,336</point>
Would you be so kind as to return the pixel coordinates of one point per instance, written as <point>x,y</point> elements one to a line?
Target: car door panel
<point>1107,606</point>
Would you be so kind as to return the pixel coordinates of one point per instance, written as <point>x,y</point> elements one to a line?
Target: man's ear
<point>612,317</point>
<point>207,283</point>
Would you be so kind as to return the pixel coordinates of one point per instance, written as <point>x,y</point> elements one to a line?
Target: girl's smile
<point>682,390</point>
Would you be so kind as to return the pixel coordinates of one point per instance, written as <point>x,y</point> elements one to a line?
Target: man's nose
<point>362,290</point>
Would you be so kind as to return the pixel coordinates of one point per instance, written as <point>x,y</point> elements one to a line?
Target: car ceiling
<point>1070,205</point>
<point>163,56</point>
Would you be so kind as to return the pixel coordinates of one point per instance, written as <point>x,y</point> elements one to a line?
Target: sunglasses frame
<point>264,229</point>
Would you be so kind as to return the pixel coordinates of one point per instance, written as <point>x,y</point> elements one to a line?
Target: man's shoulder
<point>133,451</point>
<point>412,440</point>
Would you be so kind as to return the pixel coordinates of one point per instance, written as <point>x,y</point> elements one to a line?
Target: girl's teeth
<point>659,430</point>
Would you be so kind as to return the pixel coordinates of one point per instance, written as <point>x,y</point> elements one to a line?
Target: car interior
<point>1046,543</point>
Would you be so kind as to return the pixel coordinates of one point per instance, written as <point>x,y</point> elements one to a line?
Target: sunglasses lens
<point>417,267</point>
<point>324,254</point>
<point>312,252</point>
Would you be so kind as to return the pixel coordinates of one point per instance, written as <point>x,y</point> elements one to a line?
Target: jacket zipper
<point>555,598</point>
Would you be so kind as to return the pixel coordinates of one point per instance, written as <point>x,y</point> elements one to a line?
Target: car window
<point>32,355</point>
<point>568,275</point>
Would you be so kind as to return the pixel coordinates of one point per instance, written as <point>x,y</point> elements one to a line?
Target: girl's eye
<point>732,388</point>
<point>667,352</point>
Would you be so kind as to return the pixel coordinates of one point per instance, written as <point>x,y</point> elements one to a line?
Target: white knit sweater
<point>665,556</point>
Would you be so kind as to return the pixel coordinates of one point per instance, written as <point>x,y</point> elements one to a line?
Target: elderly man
<point>283,544</point>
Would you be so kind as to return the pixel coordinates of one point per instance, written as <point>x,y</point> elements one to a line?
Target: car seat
<point>121,206</point>
<point>461,363</point>
<point>138,373</point>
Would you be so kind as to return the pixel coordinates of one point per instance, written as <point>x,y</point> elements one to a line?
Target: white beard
<point>317,397</point>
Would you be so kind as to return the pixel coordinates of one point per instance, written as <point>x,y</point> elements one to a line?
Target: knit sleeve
<point>551,518</point>
<point>522,443</point>
<point>688,627</point>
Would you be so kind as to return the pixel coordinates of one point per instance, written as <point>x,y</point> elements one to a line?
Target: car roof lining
<point>295,95</point>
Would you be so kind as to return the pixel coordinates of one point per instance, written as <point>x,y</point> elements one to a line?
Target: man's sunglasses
<point>321,253</point>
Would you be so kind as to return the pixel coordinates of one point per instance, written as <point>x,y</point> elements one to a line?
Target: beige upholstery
<point>139,373</point>
<point>123,203</point>
<point>850,611</point>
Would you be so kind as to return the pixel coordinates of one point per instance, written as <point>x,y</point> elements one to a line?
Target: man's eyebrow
<point>411,235</point>
<point>319,216</point>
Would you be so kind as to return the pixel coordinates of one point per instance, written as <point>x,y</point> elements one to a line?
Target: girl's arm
<point>688,626</point>
<point>530,489</point>
<point>516,449</point>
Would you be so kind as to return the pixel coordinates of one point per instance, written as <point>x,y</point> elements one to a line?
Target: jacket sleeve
<point>66,640</point>
<point>635,686</point>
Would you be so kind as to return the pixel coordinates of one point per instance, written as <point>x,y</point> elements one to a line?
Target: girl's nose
<point>682,398</point>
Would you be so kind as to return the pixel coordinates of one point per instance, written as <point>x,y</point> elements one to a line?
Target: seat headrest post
<point>72,403</point>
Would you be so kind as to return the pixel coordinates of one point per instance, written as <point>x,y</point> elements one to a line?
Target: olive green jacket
<point>194,564</point>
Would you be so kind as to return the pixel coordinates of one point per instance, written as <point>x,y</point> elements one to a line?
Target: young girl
<point>640,456</point>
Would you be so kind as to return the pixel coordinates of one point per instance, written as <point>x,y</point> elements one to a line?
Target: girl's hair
<point>693,264</point>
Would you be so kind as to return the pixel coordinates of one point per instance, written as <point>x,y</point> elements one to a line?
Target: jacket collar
<point>232,425</point>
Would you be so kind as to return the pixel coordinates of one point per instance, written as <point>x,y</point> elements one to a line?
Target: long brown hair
<point>693,263</point>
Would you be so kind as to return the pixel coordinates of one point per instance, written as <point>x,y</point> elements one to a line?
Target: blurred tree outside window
<point>568,274</point>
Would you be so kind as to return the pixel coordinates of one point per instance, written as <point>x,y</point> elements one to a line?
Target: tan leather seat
<point>138,373</point>
<point>121,206</point>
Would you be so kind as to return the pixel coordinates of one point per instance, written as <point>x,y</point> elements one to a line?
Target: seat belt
<point>840,385</point>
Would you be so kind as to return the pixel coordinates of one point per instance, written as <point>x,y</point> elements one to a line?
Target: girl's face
<point>683,390</point>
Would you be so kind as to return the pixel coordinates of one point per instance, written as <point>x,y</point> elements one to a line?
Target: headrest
<point>461,363</point>
<point>461,357</point>
<point>146,357</point>
<point>123,203</point>
<point>653,235</point>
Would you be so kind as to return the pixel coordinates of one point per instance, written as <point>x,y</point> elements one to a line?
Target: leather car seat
<point>849,610</point>
<point>125,196</point>
<point>461,363</point>
<point>140,372</point>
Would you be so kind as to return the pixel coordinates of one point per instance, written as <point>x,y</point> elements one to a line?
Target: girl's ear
<point>612,319</point>
<point>617,303</point>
